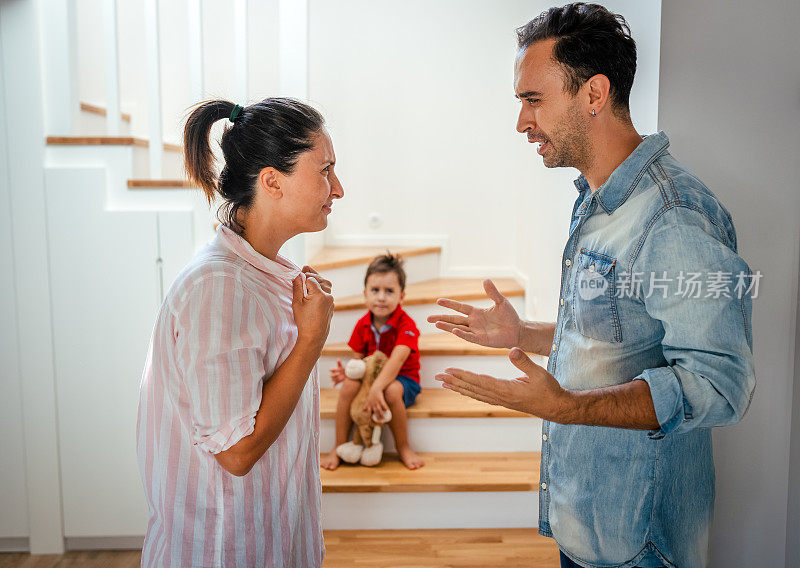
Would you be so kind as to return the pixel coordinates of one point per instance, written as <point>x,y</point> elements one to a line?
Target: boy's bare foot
<point>410,458</point>
<point>330,460</point>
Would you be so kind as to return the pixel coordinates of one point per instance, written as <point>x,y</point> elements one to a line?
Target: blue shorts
<point>411,389</point>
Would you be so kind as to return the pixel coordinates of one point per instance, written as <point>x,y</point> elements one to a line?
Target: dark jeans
<point>566,562</point>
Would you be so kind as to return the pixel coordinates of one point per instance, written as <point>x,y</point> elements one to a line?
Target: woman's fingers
<point>325,284</point>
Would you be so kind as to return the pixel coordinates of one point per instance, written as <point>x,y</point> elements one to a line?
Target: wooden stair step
<point>107,141</point>
<point>432,403</point>
<point>440,548</point>
<point>461,289</point>
<point>443,471</point>
<point>329,258</point>
<point>95,109</point>
<point>442,343</point>
<point>159,183</point>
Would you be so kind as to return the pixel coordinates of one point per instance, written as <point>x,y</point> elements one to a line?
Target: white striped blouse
<point>225,326</point>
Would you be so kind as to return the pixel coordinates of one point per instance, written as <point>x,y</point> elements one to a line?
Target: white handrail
<point>59,66</point>
<point>152,54</point>
<point>240,51</point>
<point>196,78</point>
<point>111,66</point>
<point>293,47</point>
<point>293,81</point>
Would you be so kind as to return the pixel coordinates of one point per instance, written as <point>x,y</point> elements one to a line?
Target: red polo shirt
<point>399,329</point>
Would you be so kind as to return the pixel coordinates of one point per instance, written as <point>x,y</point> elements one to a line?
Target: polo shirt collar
<point>284,268</point>
<point>393,320</point>
<point>622,181</point>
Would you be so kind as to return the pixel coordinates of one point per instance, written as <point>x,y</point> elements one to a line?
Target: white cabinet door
<point>106,286</point>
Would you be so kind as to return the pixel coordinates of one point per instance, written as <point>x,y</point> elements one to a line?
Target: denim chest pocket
<point>594,303</point>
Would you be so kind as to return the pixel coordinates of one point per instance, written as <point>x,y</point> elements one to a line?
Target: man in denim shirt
<point>652,346</point>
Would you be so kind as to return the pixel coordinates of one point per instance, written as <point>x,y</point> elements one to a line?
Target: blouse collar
<point>284,268</point>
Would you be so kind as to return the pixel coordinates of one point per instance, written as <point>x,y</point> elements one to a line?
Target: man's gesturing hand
<point>497,326</point>
<point>537,392</point>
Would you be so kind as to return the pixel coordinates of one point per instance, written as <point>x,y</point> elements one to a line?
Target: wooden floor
<point>475,548</point>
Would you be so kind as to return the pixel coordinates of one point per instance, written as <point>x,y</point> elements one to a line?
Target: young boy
<point>388,328</point>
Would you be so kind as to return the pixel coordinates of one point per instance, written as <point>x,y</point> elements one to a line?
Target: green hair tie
<point>235,112</point>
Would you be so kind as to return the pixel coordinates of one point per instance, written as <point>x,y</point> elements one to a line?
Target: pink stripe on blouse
<point>225,326</point>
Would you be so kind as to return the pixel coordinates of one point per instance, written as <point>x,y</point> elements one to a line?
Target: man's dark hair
<point>590,40</point>
<point>387,263</point>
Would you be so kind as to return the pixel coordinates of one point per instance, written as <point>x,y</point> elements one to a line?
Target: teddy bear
<point>368,427</point>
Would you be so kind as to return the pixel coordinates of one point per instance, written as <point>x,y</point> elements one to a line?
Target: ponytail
<point>197,149</point>
<point>270,133</point>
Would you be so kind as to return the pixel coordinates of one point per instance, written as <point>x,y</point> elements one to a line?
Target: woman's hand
<point>337,373</point>
<point>497,326</point>
<point>323,283</point>
<point>376,402</point>
<point>312,314</point>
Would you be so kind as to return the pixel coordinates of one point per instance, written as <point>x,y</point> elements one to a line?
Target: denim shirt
<point>631,308</point>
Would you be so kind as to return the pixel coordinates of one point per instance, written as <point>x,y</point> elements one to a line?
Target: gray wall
<point>793,524</point>
<point>730,102</point>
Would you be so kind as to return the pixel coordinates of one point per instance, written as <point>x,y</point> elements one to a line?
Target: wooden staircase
<point>481,461</point>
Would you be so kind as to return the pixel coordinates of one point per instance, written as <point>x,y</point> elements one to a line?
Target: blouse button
<point>544,437</point>
<point>544,486</point>
<point>568,262</point>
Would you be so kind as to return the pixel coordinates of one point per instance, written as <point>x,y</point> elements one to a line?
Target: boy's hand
<point>337,373</point>
<point>376,403</point>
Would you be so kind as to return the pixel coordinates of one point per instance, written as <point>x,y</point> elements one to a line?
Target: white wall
<point>21,81</point>
<point>419,99</point>
<point>13,489</point>
<point>729,102</point>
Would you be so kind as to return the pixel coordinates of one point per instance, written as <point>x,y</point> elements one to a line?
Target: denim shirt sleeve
<point>709,378</point>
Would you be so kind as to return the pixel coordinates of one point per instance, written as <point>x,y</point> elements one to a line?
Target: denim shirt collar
<point>620,184</point>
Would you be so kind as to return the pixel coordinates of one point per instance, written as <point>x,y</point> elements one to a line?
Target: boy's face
<point>382,293</point>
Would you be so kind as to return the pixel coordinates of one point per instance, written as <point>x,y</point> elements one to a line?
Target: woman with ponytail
<point>228,426</point>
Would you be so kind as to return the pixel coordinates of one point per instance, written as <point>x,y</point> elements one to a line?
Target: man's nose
<point>525,120</point>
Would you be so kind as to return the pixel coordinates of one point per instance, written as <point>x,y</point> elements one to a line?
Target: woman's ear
<point>269,181</point>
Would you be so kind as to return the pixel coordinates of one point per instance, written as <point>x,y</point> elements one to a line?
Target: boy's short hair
<point>387,263</point>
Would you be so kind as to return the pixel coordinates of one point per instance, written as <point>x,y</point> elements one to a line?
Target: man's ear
<point>269,181</point>
<point>598,89</point>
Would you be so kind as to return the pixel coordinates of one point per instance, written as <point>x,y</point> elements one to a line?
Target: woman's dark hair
<point>590,41</point>
<point>387,263</point>
<point>271,133</point>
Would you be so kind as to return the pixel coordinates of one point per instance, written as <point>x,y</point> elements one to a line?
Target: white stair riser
<point>349,280</point>
<point>93,124</point>
<point>457,435</point>
<point>172,166</point>
<point>344,320</point>
<point>449,510</point>
<point>430,365</point>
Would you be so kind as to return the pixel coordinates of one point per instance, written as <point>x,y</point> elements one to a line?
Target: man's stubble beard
<point>572,147</point>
